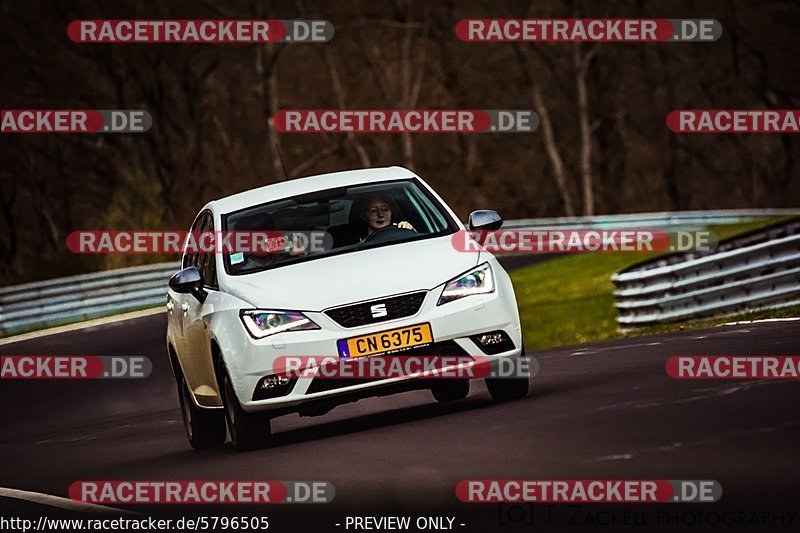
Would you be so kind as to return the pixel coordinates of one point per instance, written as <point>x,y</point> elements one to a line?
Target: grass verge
<point>570,300</point>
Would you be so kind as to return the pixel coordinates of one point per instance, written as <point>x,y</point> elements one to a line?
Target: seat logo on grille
<point>378,310</point>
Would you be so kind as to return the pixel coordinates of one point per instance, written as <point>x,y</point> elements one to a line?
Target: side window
<point>190,259</point>
<point>206,262</point>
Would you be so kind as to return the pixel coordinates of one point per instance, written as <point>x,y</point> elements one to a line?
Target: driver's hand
<point>405,225</point>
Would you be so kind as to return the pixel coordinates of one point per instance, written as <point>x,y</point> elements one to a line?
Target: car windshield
<point>337,221</point>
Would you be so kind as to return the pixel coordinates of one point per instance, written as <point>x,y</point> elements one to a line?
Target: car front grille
<point>446,348</point>
<point>362,314</point>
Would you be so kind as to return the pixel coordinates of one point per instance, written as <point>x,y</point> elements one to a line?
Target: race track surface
<point>600,411</point>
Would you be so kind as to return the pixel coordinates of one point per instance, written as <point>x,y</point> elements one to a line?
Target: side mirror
<point>484,220</point>
<point>189,281</point>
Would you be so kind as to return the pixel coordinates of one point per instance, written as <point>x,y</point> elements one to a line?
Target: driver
<point>378,215</point>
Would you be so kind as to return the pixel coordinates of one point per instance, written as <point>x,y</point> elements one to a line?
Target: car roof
<point>285,189</point>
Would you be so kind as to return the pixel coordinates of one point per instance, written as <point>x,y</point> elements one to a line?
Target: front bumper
<point>249,360</point>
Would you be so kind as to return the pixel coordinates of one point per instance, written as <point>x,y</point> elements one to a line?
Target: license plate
<point>385,341</point>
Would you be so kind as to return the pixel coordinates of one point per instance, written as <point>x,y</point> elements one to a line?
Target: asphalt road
<point>605,410</point>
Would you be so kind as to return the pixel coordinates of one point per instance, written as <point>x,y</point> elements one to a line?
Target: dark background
<point>211,106</point>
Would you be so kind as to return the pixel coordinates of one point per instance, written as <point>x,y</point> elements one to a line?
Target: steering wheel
<point>388,233</point>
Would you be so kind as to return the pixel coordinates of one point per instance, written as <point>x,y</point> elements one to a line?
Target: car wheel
<point>506,389</point>
<point>449,390</point>
<point>248,431</point>
<point>204,428</point>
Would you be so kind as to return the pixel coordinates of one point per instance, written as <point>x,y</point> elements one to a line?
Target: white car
<point>389,264</point>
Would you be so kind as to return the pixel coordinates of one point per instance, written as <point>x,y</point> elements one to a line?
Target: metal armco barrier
<point>72,299</point>
<point>757,270</point>
<point>75,298</point>
<point>665,220</point>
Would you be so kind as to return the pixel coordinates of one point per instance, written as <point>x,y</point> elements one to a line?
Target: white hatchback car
<point>389,265</point>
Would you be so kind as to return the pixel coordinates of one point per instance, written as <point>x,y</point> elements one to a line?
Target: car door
<point>178,304</point>
<point>197,361</point>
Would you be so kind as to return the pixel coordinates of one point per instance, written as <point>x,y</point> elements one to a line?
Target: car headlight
<point>479,280</point>
<point>261,323</point>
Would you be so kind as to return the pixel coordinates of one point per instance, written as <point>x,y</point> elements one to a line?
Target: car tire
<point>507,389</point>
<point>248,431</point>
<point>204,428</point>
<point>450,390</point>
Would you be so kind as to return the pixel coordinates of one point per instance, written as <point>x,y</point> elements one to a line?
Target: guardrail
<point>757,270</point>
<point>75,298</point>
<point>64,300</point>
<point>665,220</point>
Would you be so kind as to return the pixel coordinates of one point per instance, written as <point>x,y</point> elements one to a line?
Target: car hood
<point>355,276</point>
